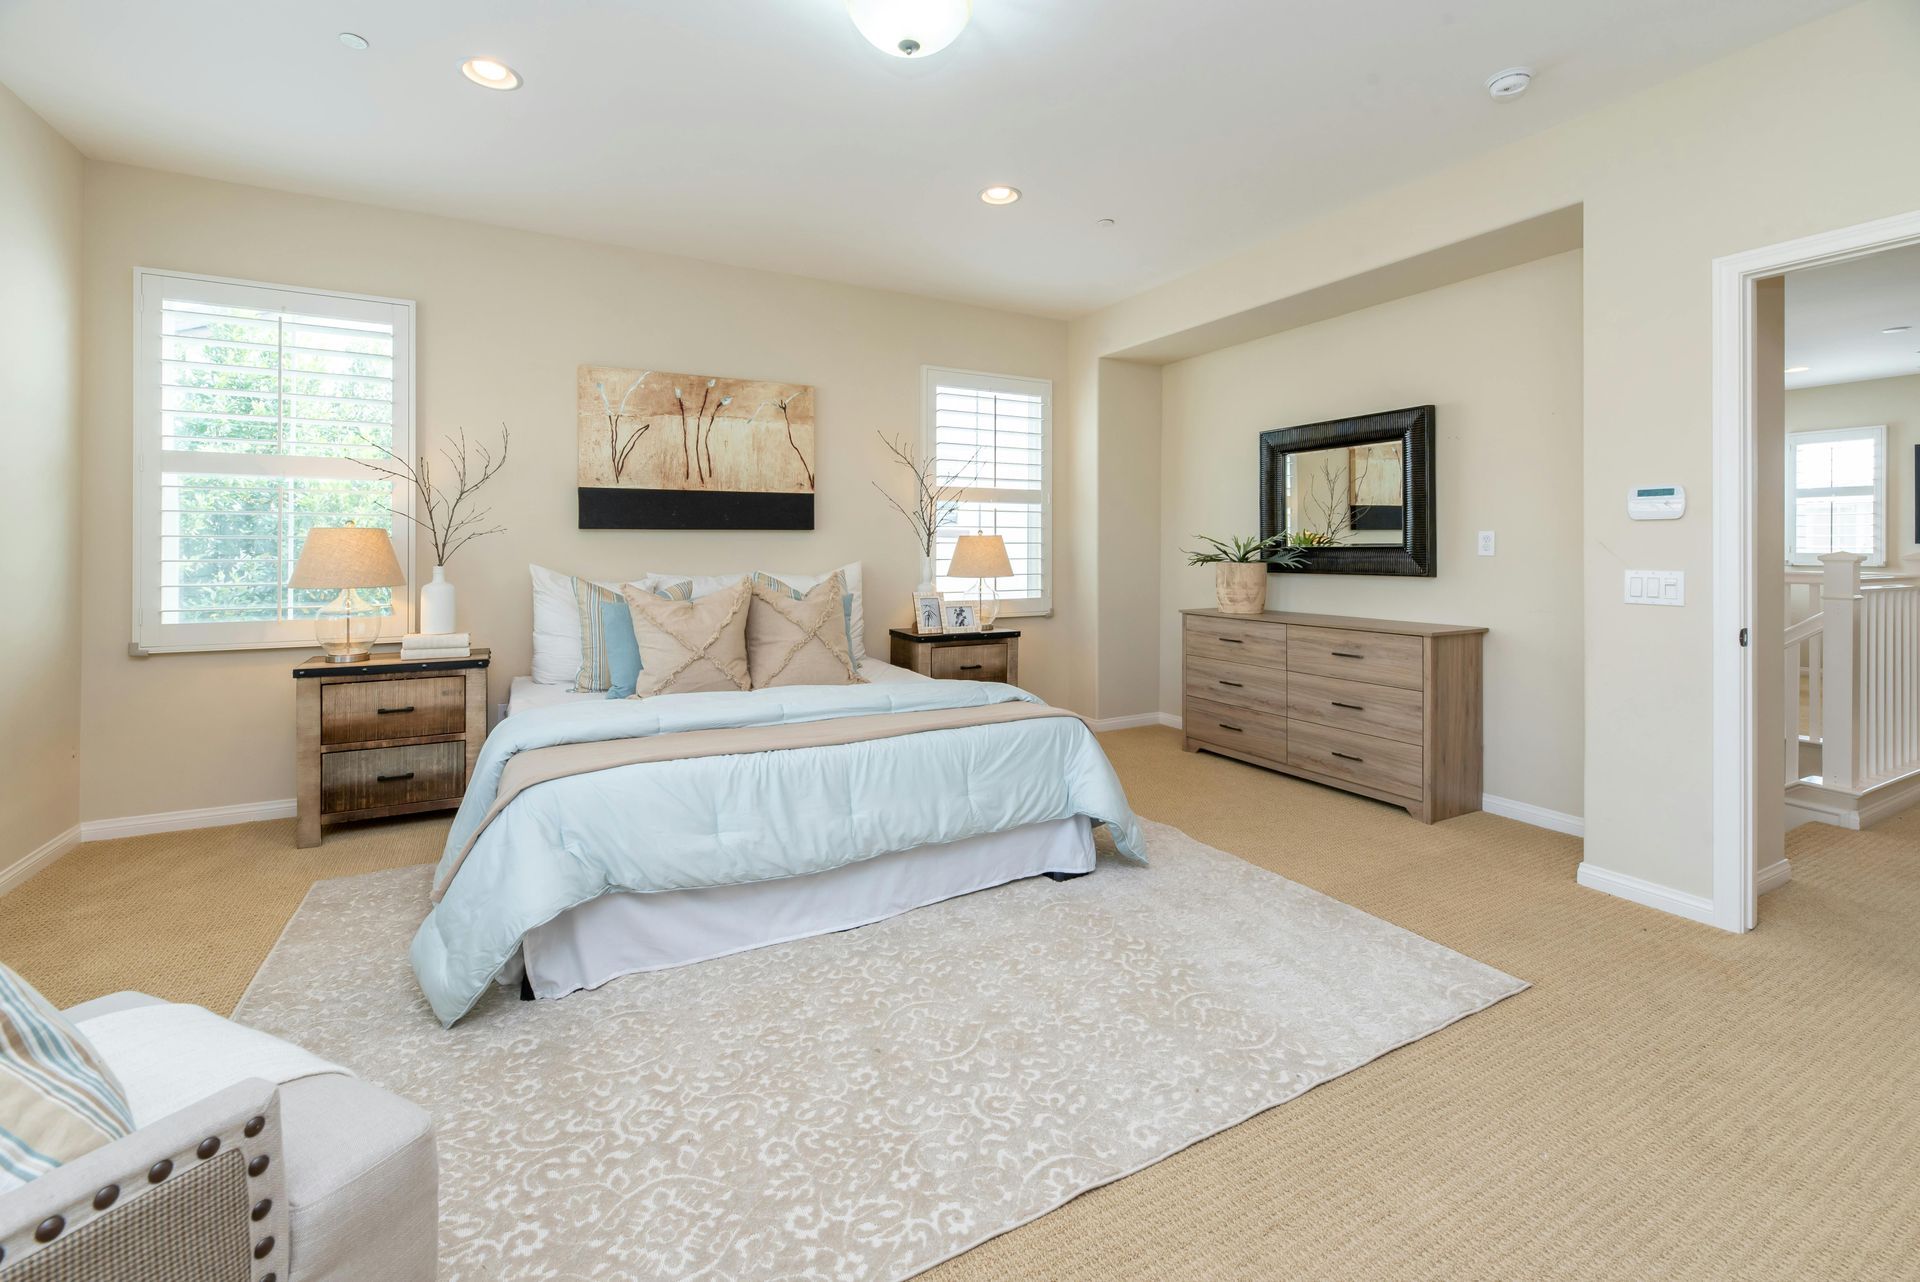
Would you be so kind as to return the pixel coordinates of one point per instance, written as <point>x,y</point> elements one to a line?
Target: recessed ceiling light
<point>910,28</point>
<point>491,73</point>
<point>1000,194</point>
<point>353,41</point>
<point>1103,222</point>
<point>1510,83</point>
<point>1798,369</point>
<point>1896,329</point>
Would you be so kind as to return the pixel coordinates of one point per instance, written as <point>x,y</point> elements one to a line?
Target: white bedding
<point>528,693</point>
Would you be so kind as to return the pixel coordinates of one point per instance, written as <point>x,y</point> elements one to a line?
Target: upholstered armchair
<point>324,1179</point>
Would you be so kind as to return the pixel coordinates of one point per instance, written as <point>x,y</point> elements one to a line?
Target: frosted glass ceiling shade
<point>910,28</point>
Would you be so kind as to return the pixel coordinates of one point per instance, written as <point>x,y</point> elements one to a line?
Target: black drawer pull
<point>393,778</point>
<point>1347,654</point>
<point>387,712</point>
<point>1351,707</point>
<point>1231,641</point>
<point>1348,756</point>
<point>1235,729</point>
<point>1235,684</point>
<point>971,667</point>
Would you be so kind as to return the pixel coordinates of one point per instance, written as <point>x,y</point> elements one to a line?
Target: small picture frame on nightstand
<point>927,617</point>
<point>961,618</point>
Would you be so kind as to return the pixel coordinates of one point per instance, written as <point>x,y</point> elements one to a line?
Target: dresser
<point>1388,710</point>
<point>958,656</point>
<point>387,736</point>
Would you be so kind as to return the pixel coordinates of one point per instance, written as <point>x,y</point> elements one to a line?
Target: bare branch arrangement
<point>450,520</point>
<point>1331,517</point>
<point>934,502</point>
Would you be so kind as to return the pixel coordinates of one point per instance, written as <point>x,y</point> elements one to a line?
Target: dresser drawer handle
<point>1351,707</point>
<point>1235,684</point>
<point>1348,756</point>
<point>1347,654</point>
<point>387,712</point>
<point>1231,641</point>
<point>393,778</point>
<point>1235,729</point>
<point>971,667</point>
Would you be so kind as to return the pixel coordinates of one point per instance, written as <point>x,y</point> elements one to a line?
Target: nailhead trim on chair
<point>261,1209</point>
<point>208,1147</point>
<point>160,1170</point>
<point>254,1127</point>
<point>106,1197</point>
<point>263,1248</point>
<point>258,1166</point>
<point>49,1228</point>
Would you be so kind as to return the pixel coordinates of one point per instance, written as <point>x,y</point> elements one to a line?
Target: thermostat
<point>1657,502</point>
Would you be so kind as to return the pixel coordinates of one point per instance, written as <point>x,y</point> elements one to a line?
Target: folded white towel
<point>436,640</point>
<point>443,652</point>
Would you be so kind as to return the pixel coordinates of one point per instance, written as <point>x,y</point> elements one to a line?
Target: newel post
<point>1840,604</point>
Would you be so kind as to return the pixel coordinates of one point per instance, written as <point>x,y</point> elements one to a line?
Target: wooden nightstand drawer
<point>361,779</point>
<point>987,662</point>
<point>367,711</point>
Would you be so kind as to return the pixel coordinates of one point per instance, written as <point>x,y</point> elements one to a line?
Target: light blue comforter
<point>716,821</point>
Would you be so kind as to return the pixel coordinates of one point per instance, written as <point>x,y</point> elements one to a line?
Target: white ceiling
<point>1835,316</point>
<point>767,133</point>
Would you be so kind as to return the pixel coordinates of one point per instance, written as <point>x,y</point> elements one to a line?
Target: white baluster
<point>1840,608</point>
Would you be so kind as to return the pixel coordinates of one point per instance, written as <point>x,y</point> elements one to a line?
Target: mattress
<point>625,934</point>
<point>527,693</point>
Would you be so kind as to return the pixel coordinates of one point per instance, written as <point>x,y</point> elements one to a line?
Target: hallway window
<point>1837,494</point>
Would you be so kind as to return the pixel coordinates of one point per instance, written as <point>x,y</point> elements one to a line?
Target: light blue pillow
<point>609,652</point>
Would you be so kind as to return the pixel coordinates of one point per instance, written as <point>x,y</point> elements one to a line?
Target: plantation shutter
<point>990,438</point>
<point>1836,494</point>
<point>258,409</point>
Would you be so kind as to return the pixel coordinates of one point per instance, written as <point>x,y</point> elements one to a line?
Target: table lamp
<point>982,557</point>
<point>348,557</point>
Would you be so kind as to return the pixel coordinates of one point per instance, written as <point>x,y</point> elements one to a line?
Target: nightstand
<point>959,656</point>
<point>388,736</point>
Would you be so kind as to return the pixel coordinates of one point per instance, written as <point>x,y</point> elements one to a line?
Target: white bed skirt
<point>623,934</point>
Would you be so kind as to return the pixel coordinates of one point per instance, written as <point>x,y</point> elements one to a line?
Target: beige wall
<point>504,318</point>
<point>39,518</point>
<point>1892,402</point>
<point>1779,141</point>
<point>1499,359</point>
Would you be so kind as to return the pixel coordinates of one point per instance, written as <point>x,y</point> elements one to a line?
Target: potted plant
<point>1240,569</point>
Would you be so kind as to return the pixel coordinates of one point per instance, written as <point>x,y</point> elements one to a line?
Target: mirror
<point>1355,495</point>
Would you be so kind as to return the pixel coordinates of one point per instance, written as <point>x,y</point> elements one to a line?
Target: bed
<point>604,837</point>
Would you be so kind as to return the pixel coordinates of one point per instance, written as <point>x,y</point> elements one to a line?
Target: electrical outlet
<point>1486,543</point>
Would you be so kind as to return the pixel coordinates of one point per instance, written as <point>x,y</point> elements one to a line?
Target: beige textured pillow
<point>799,639</point>
<point>687,646</point>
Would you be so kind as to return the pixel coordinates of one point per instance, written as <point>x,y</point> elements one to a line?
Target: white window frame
<point>931,376</point>
<point>150,288</point>
<point>1878,435</point>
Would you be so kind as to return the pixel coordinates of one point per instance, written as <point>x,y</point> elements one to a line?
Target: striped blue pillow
<point>609,653</point>
<point>58,1100</point>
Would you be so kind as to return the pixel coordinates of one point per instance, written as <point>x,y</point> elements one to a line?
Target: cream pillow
<point>799,638</point>
<point>686,646</point>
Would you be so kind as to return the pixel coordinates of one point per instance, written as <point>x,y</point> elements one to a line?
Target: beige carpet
<point>859,1106</point>
<point>1666,1101</point>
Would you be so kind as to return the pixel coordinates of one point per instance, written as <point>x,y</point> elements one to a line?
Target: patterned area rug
<point>866,1104</point>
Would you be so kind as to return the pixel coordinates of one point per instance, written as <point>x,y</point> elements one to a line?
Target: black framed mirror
<point>1353,495</point>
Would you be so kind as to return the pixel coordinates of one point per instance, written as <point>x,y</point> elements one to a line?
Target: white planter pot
<point>437,604</point>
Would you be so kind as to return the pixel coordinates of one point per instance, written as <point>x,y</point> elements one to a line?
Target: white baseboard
<point>1772,877</point>
<point>39,857</point>
<point>1539,816</point>
<point>180,820</point>
<point>1648,893</point>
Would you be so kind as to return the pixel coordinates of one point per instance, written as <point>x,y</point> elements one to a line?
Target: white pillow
<point>706,583</point>
<point>557,643</point>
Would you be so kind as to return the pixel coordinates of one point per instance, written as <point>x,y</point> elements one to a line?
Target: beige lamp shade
<point>347,556</point>
<point>979,556</point>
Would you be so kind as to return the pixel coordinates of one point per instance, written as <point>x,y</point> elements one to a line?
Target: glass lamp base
<point>986,609</point>
<point>347,628</point>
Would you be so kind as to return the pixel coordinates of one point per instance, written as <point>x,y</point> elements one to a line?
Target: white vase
<point>436,604</point>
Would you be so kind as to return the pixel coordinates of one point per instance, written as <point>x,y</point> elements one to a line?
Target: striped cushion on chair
<point>58,1101</point>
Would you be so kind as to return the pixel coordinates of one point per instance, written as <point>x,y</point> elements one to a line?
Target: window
<point>254,408</point>
<point>993,438</point>
<point>1837,494</point>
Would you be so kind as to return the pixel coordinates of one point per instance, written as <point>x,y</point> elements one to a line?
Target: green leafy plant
<point>1247,549</point>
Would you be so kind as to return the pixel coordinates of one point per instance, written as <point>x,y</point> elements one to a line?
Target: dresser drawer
<point>359,779</point>
<point>362,711</point>
<point>984,662</point>
<point>1240,729</point>
<point>1264,644</point>
<point>1382,658</point>
<point>1360,706</point>
<point>1367,760</point>
<point>1238,685</point>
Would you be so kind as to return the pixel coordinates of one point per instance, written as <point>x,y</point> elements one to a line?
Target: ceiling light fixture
<point>1510,83</point>
<point>353,40</point>
<point>1896,329</point>
<point>1798,369</point>
<point>490,73</point>
<point>910,28</point>
<point>1000,194</point>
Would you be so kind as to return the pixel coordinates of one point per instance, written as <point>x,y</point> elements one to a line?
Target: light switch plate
<point>1656,587</point>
